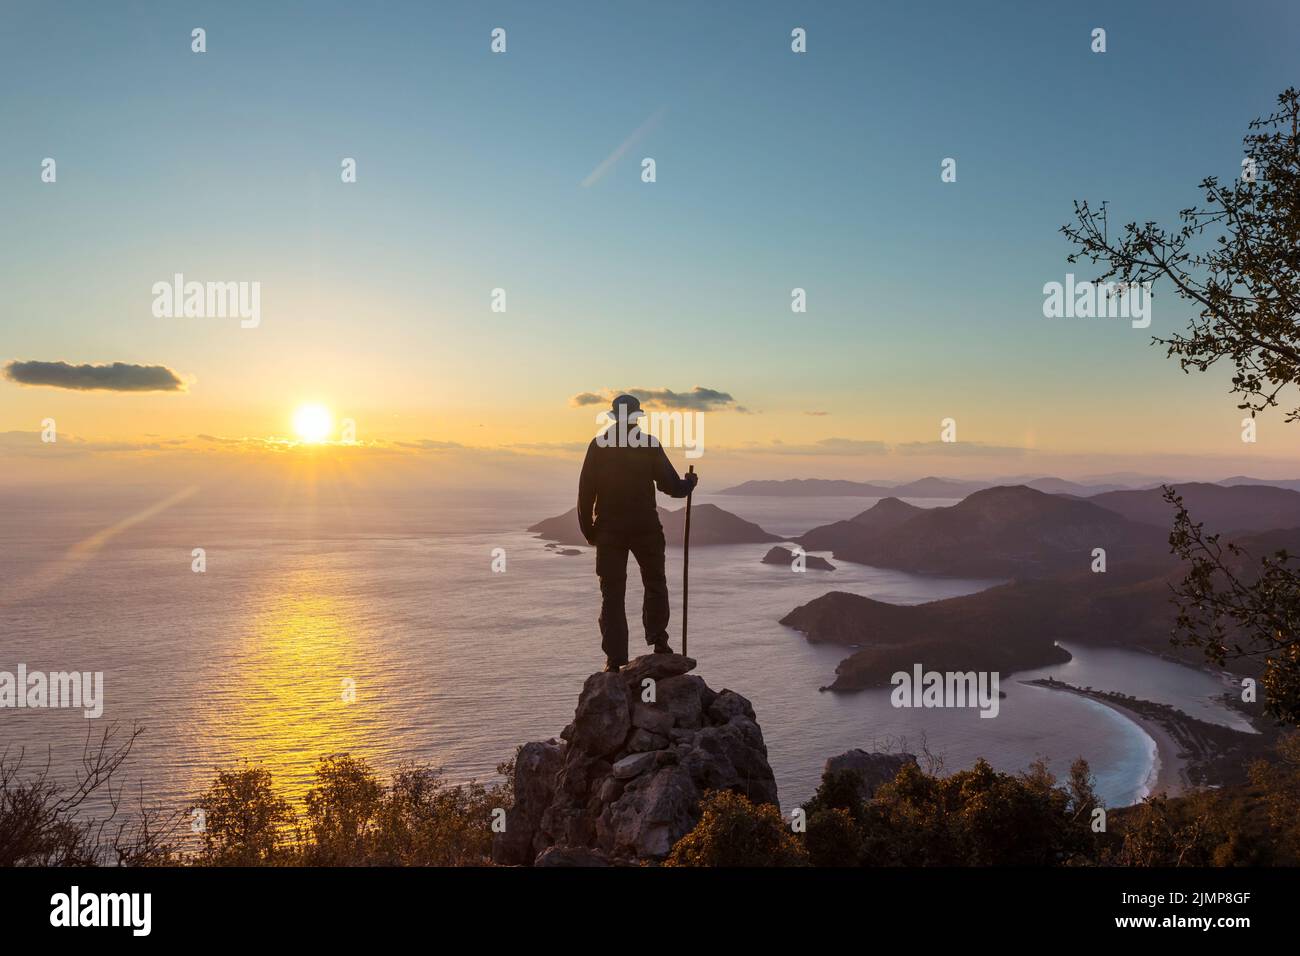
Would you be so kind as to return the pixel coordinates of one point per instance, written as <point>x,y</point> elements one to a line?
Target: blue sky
<point>775,170</point>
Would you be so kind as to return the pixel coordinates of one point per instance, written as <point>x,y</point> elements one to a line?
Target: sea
<point>377,625</point>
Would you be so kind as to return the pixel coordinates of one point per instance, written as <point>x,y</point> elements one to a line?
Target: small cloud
<point>817,414</point>
<point>697,399</point>
<point>118,377</point>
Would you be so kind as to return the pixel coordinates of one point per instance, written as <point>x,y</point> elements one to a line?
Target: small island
<point>811,562</point>
<point>709,525</point>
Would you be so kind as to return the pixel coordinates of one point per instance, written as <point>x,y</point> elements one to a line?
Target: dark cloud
<point>697,399</point>
<point>118,377</point>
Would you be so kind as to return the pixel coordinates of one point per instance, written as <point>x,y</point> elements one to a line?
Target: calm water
<point>453,664</point>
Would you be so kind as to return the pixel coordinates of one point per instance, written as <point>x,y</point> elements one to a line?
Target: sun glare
<point>313,423</point>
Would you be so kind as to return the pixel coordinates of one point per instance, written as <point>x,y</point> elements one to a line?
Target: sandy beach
<point>1168,774</point>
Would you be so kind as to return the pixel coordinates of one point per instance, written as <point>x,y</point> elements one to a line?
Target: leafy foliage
<point>351,819</point>
<point>735,832</point>
<point>245,822</point>
<point>45,822</point>
<point>1236,259</point>
<point>1234,608</point>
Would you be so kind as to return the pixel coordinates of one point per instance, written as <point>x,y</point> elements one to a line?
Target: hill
<point>885,515</point>
<point>825,487</point>
<point>809,488</point>
<point>921,488</point>
<point>1218,507</point>
<point>1292,484</point>
<point>709,525</point>
<point>992,630</point>
<point>1008,531</point>
<point>1015,626</point>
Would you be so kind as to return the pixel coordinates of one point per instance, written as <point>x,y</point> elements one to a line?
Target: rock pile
<point>624,781</point>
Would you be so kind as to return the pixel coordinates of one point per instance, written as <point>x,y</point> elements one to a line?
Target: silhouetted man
<point>617,513</point>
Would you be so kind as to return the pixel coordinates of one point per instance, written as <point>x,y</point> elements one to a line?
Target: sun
<point>313,423</point>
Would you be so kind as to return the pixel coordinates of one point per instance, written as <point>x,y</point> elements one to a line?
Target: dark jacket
<point>616,491</point>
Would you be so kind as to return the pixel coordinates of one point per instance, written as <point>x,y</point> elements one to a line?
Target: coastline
<point>1168,773</point>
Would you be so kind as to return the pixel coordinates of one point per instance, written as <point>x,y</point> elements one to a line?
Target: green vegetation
<point>977,817</point>
<point>1233,261</point>
<point>351,818</point>
<point>982,817</point>
<point>44,822</point>
<point>734,832</point>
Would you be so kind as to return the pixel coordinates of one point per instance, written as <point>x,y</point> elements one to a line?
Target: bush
<point>833,838</point>
<point>43,821</point>
<point>352,819</point>
<point>423,822</point>
<point>734,832</point>
<point>246,823</point>
<point>978,817</point>
<point>342,811</point>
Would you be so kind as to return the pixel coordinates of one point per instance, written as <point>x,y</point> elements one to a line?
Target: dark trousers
<point>612,548</point>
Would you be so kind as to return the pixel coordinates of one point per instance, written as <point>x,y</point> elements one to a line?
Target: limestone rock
<point>652,717</point>
<point>536,767</point>
<point>642,740</point>
<point>633,765</point>
<point>628,783</point>
<point>652,814</point>
<point>685,697</point>
<point>571,856</point>
<point>602,719</point>
<point>657,666</point>
<point>872,769</point>
<point>729,704</point>
<point>732,757</point>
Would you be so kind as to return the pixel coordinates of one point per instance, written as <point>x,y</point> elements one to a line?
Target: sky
<point>522,171</point>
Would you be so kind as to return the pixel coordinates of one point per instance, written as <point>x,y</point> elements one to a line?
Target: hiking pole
<point>686,563</point>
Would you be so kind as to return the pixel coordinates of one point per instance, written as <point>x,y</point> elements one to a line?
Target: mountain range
<point>1015,626</point>
<point>1008,531</point>
<point>1015,531</point>
<point>1244,507</point>
<point>958,488</point>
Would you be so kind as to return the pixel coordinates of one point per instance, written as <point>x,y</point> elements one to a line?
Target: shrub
<point>833,838</point>
<point>44,822</point>
<point>246,823</point>
<point>734,832</point>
